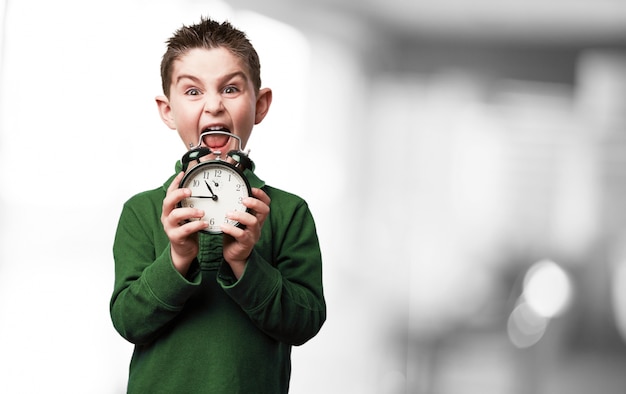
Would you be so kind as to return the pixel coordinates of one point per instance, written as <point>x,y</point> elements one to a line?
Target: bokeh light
<point>547,289</point>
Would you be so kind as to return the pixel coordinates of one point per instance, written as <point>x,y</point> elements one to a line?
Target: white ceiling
<point>557,21</point>
<point>515,19</point>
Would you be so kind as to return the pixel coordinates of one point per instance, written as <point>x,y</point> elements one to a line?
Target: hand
<point>182,233</point>
<point>213,196</point>
<point>238,241</point>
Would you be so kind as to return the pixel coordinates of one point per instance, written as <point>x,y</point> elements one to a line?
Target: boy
<point>214,313</point>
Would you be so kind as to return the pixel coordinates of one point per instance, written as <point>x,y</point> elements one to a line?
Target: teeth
<point>216,128</point>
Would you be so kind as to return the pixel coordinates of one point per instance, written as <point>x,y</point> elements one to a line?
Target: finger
<point>184,230</point>
<point>235,232</point>
<point>177,195</point>
<point>245,218</point>
<point>175,217</point>
<point>174,195</point>
<point>181,216</point>
<point>176,182</point>
<point>259,202</point>
<point>171,200</point>
<point>261,195</point>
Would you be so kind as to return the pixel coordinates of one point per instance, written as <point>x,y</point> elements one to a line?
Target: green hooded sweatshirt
<point>208,332</point>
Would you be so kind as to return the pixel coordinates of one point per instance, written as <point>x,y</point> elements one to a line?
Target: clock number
<point>212,221</point>
<point>205,174</point>
<point>195,183</point>
<point>218,173</point>
<point>238,187</point>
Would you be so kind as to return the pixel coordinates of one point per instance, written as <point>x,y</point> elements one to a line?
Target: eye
<point>193,92</point>
<point>230,89</point>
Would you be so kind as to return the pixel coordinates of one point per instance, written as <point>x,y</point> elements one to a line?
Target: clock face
<point>217,188</point>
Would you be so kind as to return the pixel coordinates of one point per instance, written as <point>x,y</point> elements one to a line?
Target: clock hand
<point>213,195</point>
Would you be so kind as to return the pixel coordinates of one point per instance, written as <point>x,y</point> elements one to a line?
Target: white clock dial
<point>217,188</point>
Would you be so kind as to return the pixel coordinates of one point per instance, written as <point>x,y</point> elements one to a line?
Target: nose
<point>213,103</point>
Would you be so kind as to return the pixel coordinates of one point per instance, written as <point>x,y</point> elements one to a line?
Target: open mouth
<point>216,138</point>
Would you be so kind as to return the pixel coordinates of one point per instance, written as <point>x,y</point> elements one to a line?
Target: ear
<point>263,102</point>
<point>165,110</point>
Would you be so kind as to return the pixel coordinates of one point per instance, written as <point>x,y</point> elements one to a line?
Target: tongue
<point>215,141</point>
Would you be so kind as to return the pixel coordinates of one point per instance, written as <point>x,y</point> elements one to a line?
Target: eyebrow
<point>226,77</point>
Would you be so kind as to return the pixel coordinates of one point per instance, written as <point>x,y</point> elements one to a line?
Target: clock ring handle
<point>241,160</point>
<point>239,157</point>
<point>194,155</point>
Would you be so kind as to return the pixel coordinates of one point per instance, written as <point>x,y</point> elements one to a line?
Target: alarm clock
<point>218,185</point>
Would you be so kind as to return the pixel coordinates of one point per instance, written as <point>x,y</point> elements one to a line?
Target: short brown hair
<point>209,34</point>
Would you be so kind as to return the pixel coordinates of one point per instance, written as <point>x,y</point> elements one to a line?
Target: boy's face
<point>211,90</point>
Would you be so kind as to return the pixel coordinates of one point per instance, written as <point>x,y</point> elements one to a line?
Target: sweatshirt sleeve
<point>148,291</point>
<point>282,291</point>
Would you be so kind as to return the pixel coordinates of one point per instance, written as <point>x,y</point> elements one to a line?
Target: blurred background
<point>465,163</point>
